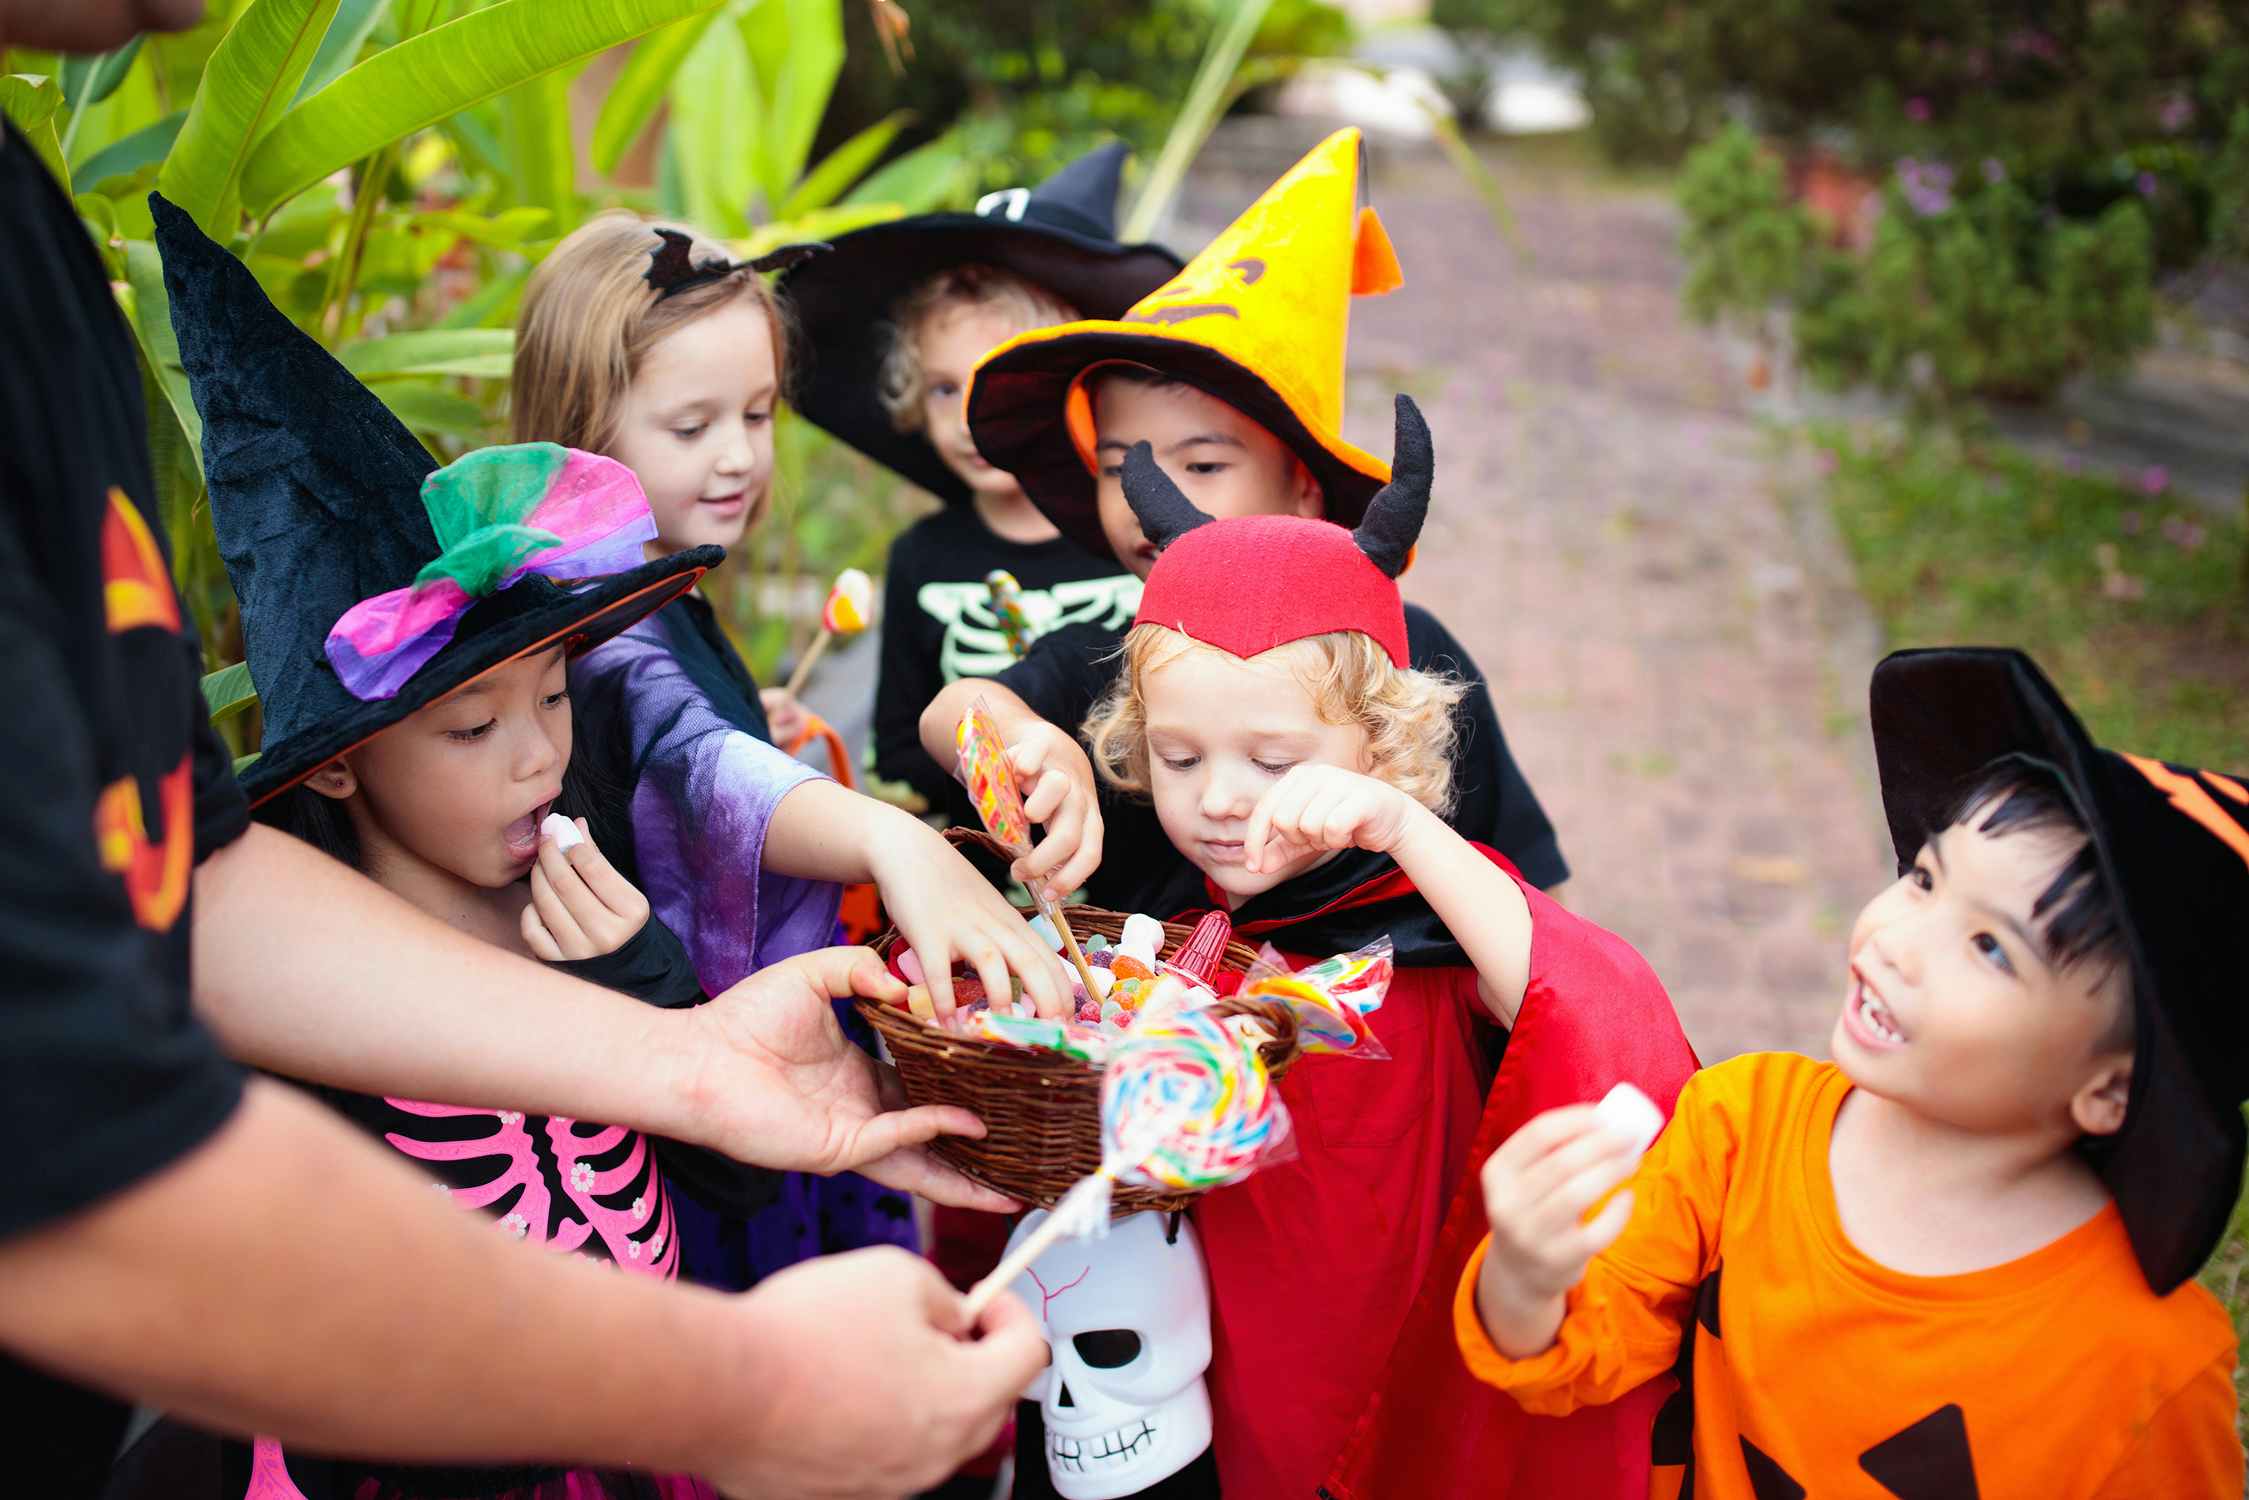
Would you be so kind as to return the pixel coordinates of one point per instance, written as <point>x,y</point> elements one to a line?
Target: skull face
<point>1128,1318</point>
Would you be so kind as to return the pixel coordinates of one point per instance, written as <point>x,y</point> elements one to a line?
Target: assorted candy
<point>851,603</point>
<point>1007,608</point>
<point>1332,998</point>
<point>1187,1104</point>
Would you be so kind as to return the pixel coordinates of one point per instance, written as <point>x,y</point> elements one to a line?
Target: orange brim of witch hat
<point>1259,319</point>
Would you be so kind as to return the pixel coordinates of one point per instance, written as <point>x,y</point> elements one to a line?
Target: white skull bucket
<point>1128,1318</point>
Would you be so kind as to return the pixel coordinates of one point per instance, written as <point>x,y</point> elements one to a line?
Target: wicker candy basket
<point>1041,1110</point>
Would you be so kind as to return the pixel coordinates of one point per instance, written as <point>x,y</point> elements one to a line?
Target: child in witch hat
<point>894,319</point>
<point>408,632</point>
<point>1955,1260</point>
<point>1233,370</point>
<point>646,343</point>
<point>1300,764</point>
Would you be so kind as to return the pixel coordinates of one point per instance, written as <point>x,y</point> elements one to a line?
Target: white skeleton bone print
<point>974,644</point>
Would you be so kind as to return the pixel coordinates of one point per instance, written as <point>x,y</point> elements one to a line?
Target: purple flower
<point>2146,184</point>
<point>2031,43</point>
<point>1917,109</point>
<point>1927,185</point>
<point>1994,170</point>
<point>2154,479</point>
<point>2175,114</point>
<point>1827,460</point>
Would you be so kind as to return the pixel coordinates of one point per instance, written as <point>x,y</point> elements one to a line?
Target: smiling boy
<point>1953,1261</point>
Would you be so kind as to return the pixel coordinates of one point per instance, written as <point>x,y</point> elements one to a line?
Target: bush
<point>1968,287</point>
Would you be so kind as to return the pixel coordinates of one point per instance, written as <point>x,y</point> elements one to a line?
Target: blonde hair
<point>1407,714</point>
<point>590,317</point>
<point>903,384</point>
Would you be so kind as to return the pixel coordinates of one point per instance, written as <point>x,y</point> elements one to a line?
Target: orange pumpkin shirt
<point>1818,1372</point>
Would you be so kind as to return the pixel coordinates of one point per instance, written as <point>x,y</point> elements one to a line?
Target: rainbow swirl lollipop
<point>1186,1105</point>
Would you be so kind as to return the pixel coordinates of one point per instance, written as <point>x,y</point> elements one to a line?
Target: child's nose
<point>1226,796</point>
<point>537,755</point>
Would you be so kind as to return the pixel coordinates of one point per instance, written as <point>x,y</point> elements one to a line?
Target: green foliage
<point>1966,289</point>
<point>2127,593</point>
<point>1744,240</point>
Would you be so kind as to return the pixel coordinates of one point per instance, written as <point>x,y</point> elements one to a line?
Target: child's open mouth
<point>522,836</point>
<point>1869,1021</point>
<point>729,505</point>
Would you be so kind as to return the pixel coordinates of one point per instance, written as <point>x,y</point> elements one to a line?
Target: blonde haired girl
<point>646,343</point>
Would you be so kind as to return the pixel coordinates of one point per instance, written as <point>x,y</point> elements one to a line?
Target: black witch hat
<point>1061,235</point>
<point>2173,843</point>
<point>371,582</point>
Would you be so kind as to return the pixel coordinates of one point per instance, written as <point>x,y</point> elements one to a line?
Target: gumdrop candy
<point>1128,967</point>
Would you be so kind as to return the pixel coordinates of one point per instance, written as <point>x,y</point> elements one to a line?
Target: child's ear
<point>334,779</point>
<point>2098,1106</point>
<point>1311,502</point>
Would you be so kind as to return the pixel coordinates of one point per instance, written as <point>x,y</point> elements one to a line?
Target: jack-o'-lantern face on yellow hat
<point>1259,319</point>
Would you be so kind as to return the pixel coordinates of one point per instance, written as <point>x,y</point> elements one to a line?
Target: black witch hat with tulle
<point>372,582</point>
<point>1061,235</point>
<point>2173,844</point>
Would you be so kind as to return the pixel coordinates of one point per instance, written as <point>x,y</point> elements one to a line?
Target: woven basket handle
<point>976,838</point>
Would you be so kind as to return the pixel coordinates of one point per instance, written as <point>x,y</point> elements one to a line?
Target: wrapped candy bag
<point>1332,998</point>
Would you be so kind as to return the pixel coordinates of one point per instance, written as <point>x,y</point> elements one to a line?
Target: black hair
<point>2077,917</point>
<point>588,791</point>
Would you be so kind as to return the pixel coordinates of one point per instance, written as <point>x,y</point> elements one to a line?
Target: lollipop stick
<point>1052,910</point>
<point>1078,1214</point>
<point>811,655</point>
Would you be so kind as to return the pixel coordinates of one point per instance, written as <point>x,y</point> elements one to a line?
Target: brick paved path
<point>1641,569</point>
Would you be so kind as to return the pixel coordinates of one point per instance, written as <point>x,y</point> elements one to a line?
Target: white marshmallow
<point>564,832</point>
<point>1143,938</point>
<point>1626,1112</point>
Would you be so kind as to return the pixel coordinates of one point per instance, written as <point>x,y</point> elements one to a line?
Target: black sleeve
<point>1494,803</point>
<point>906,678</point>
<point>105,1076</point>
<point>1065,673</point>
<point>653,967</point>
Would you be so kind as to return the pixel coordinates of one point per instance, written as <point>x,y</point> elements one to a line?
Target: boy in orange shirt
<point>1953,1261</point>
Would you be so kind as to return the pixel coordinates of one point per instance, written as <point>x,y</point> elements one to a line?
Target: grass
<point>2136,604</point>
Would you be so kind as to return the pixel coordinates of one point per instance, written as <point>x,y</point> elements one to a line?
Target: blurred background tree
<point>1969,199</point>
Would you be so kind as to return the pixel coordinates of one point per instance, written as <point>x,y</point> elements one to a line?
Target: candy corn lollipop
<point>991,786</point>
<point>1185,1105</point>
<point>1007,607</point>
<point>850,606</point>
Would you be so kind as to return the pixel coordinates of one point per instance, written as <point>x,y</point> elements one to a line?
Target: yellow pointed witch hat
<point>1258,319</point>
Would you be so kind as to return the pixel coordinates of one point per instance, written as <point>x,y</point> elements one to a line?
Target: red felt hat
<point>1251,583</point>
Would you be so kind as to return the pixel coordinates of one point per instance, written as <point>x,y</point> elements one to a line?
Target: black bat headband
<point>671,269</point>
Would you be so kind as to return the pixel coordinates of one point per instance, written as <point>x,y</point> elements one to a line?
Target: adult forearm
<point>305,968</point>
<point>280,1279</point>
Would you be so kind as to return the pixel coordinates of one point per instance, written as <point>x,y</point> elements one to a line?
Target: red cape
<point>1593,1015</point>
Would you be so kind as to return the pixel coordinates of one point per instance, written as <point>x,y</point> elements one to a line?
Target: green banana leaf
<point>248,83</point>
<point>228,691</point>
<point>489,352</point>
<point>714,131</point>
<point>150,313</point>
<point>426,406</point>
<point>145,147</point>
<point>535,130</point>
<point>339,49</point>
<point>827,182</point>
<point>32,104</point>
<point>640,88</point>
<point>426,78</point>
<point>797,49</point>
<point>90,80</point>
<point>921,179</point>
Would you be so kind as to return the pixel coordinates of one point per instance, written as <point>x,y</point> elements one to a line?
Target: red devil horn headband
<point>1386,535</point>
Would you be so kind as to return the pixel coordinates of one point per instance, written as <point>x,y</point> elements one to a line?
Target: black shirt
<point>938,627</point>
<point>115,785</point>
<point>1066,673</point>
